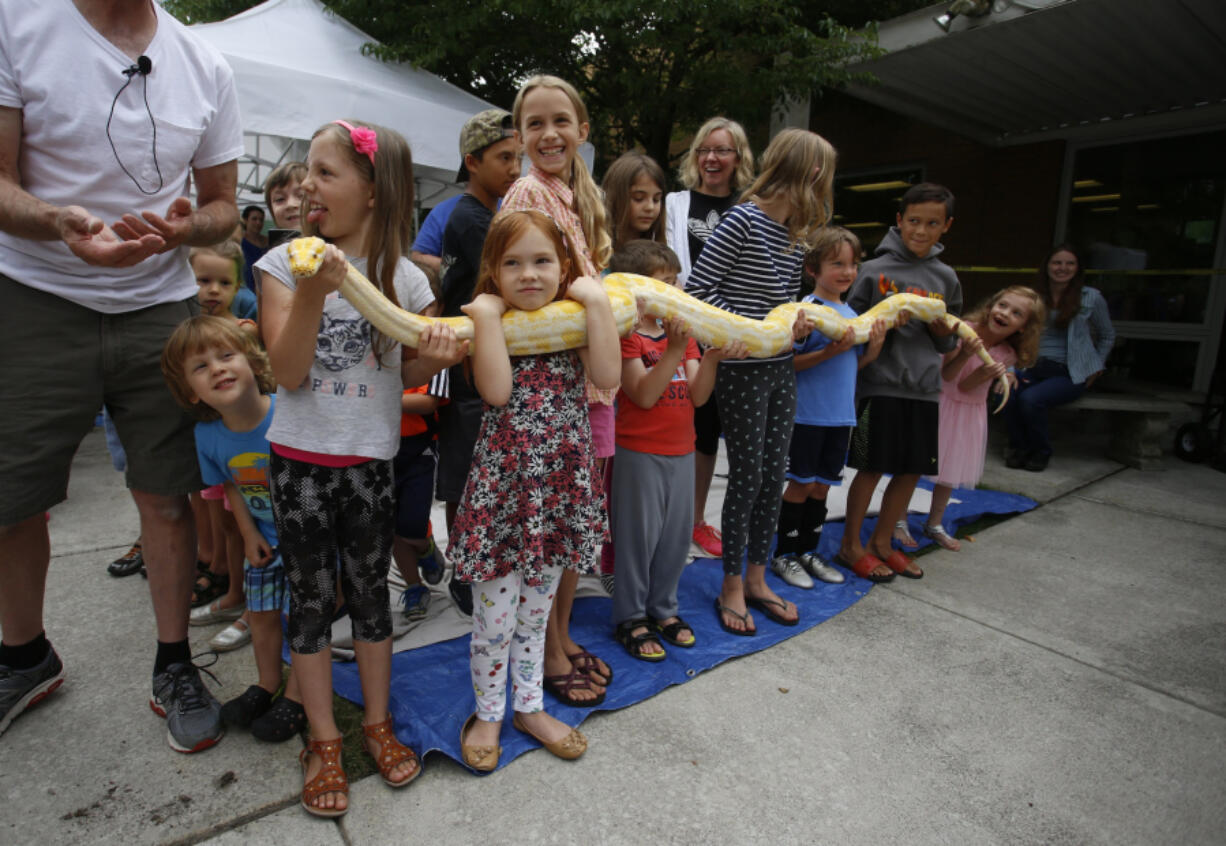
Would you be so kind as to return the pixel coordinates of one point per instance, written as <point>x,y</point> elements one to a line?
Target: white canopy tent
<point>297,66</point>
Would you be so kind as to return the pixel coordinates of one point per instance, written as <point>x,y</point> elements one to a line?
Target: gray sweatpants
<point>652,511</point>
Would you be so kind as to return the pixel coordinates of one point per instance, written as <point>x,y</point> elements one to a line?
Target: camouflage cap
<point>480,131</point>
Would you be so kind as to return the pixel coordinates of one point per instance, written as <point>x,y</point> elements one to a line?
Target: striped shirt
<point>749,265</point>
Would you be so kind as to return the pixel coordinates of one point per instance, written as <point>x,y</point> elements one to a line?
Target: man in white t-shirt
<point>107,109</point>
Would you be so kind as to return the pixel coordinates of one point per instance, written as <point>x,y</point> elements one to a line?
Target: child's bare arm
<point>602,355</point>
<point>876,340</point>
<point>255,547</point>
<point>290,320</point>
<point>982,374</point>
<point>645,387</point>
<point>702,385</point>
<point>418,404</point>
<point>955,359</point>
<point>805,360</point>
<point>491,362</point>
<point>437,348</point>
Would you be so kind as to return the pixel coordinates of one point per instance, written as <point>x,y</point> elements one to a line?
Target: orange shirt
<point>667,428</point>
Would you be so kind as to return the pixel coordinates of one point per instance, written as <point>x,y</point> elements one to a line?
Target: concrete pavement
<point>1060,680</point>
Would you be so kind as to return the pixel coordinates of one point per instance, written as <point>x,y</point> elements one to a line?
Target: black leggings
<point>326,514</point>
<point>757,404</point>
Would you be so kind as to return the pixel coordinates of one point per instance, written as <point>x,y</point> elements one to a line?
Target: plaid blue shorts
<point>266,587</point>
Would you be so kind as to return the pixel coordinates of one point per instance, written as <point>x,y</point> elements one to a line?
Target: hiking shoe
<point>462,595</point>
<point>244,708</point>
<point>416,602</point>
<point>285,719</point>
<point>819,569</point>
<point>432,564</point>
<point>22,689</point>
<point>193,715</point>
<point>708,539</point>
<point>788,568</point>
<point>128,564</point>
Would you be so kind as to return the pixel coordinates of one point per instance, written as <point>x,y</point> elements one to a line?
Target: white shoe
<point>788,568</point>
<point>819,569</point>
<point>207,615</point>
<point>231,637</point>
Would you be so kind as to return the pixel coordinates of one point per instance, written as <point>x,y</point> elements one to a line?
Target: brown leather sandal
<point>330,778</point>
<point>392,753</point>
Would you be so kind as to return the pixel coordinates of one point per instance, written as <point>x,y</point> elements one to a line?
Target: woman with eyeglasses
<point>718,165</point>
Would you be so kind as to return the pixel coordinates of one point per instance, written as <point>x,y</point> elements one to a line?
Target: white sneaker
<point>788,568</point>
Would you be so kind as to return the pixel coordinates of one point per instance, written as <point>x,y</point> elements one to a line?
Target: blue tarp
<point>431,691</point>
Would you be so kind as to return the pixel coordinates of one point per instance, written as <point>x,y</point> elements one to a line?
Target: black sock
<point>789,528</point>
<point>25,656</point>
<point>811,524</point>
<point>177,652</point>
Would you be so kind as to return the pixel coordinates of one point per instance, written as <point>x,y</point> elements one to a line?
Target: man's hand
<point>95,243</point>
<point>173,229</point>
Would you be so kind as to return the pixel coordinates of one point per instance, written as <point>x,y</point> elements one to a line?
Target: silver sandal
<point>941,537</point>
<point>907,540</point>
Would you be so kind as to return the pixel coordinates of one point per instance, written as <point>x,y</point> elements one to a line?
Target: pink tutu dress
<point>962,437</point>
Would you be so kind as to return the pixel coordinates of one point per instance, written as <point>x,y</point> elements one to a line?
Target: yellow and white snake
<point>561,325</point>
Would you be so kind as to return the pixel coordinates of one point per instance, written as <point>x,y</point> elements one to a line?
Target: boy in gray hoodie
<point>899,393</point>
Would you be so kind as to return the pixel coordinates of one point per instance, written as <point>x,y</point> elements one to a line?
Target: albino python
<point>561,325</point>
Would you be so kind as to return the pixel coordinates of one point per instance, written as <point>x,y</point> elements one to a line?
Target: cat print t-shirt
<point>705,214</point>
<point>349,404</point>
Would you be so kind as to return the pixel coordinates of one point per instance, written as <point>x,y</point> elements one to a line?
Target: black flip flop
<point>720,610</point>
<point>764,605</point>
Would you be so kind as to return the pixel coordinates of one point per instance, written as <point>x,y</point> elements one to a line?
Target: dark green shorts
<point>61,363</point>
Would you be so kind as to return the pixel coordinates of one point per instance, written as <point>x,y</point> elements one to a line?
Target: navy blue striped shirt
<point>749,265</point>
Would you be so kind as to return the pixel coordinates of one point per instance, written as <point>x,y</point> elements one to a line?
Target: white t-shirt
<point>63,75</point>
<point>349,403</point>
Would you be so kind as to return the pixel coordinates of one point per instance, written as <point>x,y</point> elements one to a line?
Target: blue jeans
<point>1043,386</point>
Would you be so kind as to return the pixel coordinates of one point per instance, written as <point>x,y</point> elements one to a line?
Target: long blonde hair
<point>1025,341</point>
<point>741,176</point>
<point>391,231</point>
<point>787,170</point>
<point>589,201</point>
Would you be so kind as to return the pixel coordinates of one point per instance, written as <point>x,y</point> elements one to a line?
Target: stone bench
<point>1140,424</point>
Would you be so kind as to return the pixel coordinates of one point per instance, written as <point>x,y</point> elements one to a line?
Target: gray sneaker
<point>788,568</point>
<point>819,569</point>
<point>416,602</point>
<point>22,689</point>
<point>193,715</point>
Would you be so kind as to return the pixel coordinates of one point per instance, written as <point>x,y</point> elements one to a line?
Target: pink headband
<point>364,140</point>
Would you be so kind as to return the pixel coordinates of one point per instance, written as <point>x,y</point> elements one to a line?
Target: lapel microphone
<point>142,67</point>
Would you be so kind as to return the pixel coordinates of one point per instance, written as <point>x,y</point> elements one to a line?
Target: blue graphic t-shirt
<point>241,458</point>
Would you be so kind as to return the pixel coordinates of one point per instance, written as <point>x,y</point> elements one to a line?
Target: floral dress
<point>532,498</point>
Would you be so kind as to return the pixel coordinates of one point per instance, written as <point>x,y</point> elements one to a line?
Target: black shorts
<point>413,479</point>
<point>707,428</point>
<point>818,454</point>
<point>459,423</point>
<point>895,435</point>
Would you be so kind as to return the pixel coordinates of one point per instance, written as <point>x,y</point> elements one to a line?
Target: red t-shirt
<point>667,428</point>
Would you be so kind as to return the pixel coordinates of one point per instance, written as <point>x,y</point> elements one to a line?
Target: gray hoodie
<point>910,362</point>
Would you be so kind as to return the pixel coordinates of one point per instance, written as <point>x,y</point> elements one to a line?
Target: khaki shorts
<point>61,363</point>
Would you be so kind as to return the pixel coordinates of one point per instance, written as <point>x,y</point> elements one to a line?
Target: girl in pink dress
<point>1008,325</point>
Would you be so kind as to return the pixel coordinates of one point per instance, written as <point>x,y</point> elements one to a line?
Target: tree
<point>649,72</point>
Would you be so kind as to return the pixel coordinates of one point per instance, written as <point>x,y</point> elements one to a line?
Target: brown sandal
<point>392,753</point>
<point>561,686</point>
<point>330,778</point>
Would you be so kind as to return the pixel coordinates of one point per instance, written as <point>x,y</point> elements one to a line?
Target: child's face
<point>219,377</point>
<point>285,202</point>
<point>646,198</point>
<point>550,130</point>
<point>339,196</point>
<point>837,273</point>
<point>1009,314</point>
<point>530,273</point>
<point>498,168</point>
<point>216,283</point>
<point>921,226</point>
<point>666,275</point>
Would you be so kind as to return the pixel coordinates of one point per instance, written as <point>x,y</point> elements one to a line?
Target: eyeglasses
<point>722,152</point>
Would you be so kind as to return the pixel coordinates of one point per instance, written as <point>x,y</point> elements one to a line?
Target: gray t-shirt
<point>349,403</point>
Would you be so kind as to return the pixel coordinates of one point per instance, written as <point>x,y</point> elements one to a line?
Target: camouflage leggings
<point>326,514</point>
